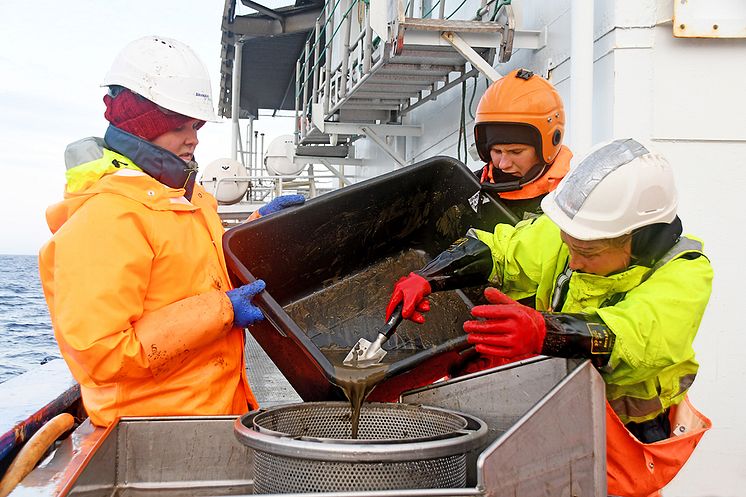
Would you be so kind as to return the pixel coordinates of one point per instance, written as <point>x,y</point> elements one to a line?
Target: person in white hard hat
<point>134,275</point>
<point>613,281</point>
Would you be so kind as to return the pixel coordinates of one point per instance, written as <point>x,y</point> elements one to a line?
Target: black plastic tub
<point>330,266</point>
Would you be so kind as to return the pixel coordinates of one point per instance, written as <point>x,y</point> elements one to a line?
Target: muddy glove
<point>244,312</point>
<point>411,290</point>
<point>509,329</point>
<point>276,205</point>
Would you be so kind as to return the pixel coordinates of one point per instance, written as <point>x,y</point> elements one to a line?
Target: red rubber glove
<point>509,329</point>
<point>411,290</point>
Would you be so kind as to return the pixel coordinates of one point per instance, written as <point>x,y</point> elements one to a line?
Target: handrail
<point>323,82</point>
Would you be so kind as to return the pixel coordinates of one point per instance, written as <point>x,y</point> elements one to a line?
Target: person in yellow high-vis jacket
<point>612,280</point>
<point>134,275</point>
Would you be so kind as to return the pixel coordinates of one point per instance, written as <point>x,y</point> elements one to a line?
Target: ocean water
<point>26,337</point>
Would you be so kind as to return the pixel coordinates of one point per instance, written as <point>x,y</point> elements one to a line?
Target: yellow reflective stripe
<point>82,176</point>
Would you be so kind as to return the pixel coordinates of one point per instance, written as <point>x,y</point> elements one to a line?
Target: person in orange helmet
<point>134,274</point>
<point>518,130</point>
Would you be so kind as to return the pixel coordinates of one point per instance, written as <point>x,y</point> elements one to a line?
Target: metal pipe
<point>249,145</point>
<point>260,151</point>
<point>316,58</point>
<point>345,49</point>
<point>360,36</point>
<point>236,99</point>
<point>581,76</point>
<point>442,9</point>
<point>311,181</point>
<point>253,157</point>
<point>328,61</point>
<point>299,134</point>
<point>306,73</point>
<point>368,45</point>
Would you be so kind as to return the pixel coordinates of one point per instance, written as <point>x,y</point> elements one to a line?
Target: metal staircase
<point>361,78</point>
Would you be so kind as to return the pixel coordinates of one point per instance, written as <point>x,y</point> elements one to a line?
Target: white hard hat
<point>168,73</point>
<point>618,187</point>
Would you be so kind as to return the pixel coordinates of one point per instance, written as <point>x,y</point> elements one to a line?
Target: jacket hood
<point>93,169</point>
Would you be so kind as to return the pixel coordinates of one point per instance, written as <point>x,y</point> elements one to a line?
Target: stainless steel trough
<point>546,438</point>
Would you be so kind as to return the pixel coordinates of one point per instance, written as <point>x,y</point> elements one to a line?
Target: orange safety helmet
<point>520,108</point>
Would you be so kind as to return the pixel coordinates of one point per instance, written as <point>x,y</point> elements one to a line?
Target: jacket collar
<point>157,162</point>
<point>547,181</point>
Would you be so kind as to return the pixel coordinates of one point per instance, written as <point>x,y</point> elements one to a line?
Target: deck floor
<point>269,385</point>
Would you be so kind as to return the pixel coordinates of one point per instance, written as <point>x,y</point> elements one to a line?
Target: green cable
<point>457,9</point>
<point>499,4</point>
<point>431,9</point>
<point>323,30</point>
<point>473,93</point>
<point>462,123</point>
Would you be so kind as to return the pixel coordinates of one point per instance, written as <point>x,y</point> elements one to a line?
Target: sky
<point>53,57</point>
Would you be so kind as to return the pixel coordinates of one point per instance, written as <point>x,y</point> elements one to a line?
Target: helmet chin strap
<point>504,182</point>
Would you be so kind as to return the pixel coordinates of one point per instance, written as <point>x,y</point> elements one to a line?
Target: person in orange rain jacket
<point>134,274</point>
<point>518,130</point>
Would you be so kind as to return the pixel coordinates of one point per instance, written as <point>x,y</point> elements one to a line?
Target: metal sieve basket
<point>308,447</point>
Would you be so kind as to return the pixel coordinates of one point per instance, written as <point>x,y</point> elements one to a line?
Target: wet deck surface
<point>269,385</point>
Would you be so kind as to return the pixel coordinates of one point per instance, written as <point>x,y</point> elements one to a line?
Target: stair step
<point>458,26</point>
<point>322,150</point>
<point>417,69</point>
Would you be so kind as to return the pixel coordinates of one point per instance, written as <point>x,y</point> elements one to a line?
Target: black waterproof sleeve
<point>578,336</point>
<point>467,262</point>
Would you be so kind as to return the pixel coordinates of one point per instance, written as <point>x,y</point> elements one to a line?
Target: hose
<point>34,449</point>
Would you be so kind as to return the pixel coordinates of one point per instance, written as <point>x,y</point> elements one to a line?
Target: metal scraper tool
<point>366,353</point>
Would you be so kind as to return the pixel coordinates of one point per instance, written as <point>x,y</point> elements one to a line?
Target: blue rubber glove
<point>281,202</point>
<point>244,312</point>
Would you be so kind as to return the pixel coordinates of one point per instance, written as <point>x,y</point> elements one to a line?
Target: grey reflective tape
<point>685,382</point>
<point>632,407</point>
<point>581,181</point>
<point>683,245</point>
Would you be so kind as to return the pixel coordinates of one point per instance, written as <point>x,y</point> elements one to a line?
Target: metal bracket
<point>506,17</point>
<point>385,146</point>
<point>471,55</point>
<point>335,172</point>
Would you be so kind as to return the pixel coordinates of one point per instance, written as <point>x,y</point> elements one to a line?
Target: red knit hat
<point>141,117</point>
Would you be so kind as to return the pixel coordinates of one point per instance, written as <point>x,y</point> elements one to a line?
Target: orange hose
<point>34,450</point>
